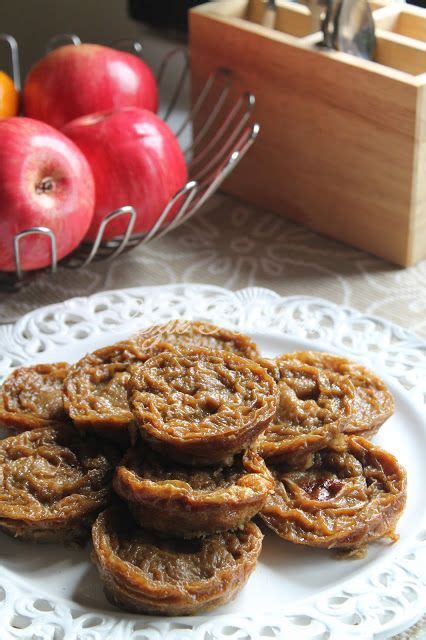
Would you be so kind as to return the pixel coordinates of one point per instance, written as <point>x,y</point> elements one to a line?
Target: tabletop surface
<point>234,245</point>
<point>229,243</point>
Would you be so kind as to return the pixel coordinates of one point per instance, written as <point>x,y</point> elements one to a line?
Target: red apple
<point>46,181</point>
<point>136,160</point>
<point>73,81</point>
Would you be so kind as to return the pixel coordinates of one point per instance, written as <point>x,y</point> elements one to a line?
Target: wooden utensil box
<point>342,146</point>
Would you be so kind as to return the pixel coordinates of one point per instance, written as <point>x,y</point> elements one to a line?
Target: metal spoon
<point>354,29</point>
<point>323,17</point>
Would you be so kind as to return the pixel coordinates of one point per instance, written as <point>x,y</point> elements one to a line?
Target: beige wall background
<point>34,22</point>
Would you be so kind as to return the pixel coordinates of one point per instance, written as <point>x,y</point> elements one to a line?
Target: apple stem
<point>45,185</point>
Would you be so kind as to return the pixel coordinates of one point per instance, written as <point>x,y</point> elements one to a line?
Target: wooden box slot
<point>289,17</point>
<point>397,55</point>
<point>295,19</point>
<point>408,22</point>
<point>237,9</point>
<point>257,12</point>
<point>378,4</point>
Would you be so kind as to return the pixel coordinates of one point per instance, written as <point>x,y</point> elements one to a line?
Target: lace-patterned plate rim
<point>253,307</point>
<point>375,603</point>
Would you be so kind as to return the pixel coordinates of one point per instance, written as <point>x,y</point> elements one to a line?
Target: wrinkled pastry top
<point>199,392</point>
<point>52,472</point>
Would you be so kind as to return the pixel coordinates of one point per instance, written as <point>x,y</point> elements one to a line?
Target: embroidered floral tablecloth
<point>234,245</point>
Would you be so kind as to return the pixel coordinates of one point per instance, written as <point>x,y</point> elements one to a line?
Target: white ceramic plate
<point>51,592</point>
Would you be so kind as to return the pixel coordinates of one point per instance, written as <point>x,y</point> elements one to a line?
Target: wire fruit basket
<point>221,141</point>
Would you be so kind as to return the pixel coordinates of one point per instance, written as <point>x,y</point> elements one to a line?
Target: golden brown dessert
<point>166,576</point>
<point>95,394</point>
<point>96,400</point>
<point>199,406</point>
<point>53,484</point>
<point>314,407</point>
<point>183,501</point>
<point>188,333</point>
<point>373,402</point>
<point>32,397</point>
<point>345,500</point>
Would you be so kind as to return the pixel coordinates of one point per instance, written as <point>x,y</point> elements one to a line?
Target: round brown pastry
<point>345,500</point>
<point>53,484</point>
<point>373,403</point>
<point>95,398</point>
<point>184,501</point>
<point>95,394</point>
<point>167,576</point>
<point>32,397</point>
<point>314,407</point>
<point>188,333</point>
<point>199,406</point>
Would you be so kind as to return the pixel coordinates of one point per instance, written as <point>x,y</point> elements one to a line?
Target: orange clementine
<point>9,97</point>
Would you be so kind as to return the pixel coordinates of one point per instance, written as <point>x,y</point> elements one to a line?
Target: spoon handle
<point>330,23</point>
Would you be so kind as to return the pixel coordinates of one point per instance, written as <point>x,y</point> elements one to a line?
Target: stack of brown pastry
<point>212,435</point>
<point>190,476</point>
<point>333,487</point>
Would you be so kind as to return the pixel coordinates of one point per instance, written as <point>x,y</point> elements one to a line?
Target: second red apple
<point>73,81</point>
<point>136,160</point>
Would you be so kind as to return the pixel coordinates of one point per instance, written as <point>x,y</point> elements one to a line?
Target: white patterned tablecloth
<point>234,245</point>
